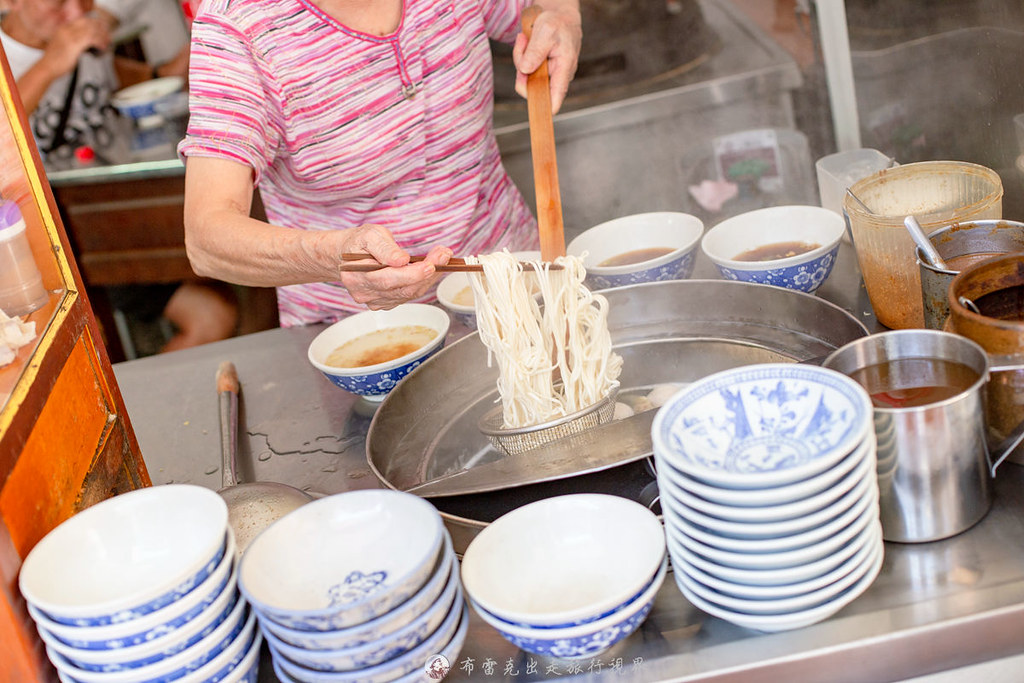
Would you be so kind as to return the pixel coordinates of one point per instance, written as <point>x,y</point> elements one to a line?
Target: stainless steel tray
<point>676,331</point>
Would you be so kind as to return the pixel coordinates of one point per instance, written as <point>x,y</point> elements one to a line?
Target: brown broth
<point>380,346</point>
<point>635,256</point>
<point>958,263</point>
<point>1003,304</point>
<point>777,250</point>
<point>911,382</point>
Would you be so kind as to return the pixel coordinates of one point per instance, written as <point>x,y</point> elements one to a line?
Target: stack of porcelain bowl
<point>769,494</point>
<point>142,587</point>
<point>378,595</point>
<point>568,576</point>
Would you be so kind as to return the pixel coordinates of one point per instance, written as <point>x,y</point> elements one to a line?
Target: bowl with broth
<point>456,295</point>
<point>786,246</point>
<point>645,247</point>
<point>369,353</point>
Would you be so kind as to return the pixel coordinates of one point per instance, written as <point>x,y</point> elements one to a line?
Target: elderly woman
<point>366,125</point>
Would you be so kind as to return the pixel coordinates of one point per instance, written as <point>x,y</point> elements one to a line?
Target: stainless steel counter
<point>934,607</point>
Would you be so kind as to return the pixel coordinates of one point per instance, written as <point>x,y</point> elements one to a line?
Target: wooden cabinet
<point>65,438</point>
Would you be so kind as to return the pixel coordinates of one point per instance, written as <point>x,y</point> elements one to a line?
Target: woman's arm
<point>222,241</point>
<point>557,36</point>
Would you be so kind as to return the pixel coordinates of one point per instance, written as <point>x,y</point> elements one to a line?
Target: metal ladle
<point>255,506</point>
<point>923,243</point>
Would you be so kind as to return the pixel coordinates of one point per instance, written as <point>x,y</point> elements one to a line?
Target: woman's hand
<point>401,281</point>
<point>556,36</point>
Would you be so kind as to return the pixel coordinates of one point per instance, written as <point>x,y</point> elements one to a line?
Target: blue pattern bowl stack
<point>769,493</point>
<point>771,228</point>
<point>669,239</point>
<point>568,576</point>
<point>142,588</point>
<point>380,593</point>
<point>373,382</point>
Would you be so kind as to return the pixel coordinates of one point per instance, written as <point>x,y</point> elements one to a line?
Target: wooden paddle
<point>542,147</point>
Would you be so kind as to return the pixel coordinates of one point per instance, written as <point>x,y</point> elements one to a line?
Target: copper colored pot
<point>995,288</point>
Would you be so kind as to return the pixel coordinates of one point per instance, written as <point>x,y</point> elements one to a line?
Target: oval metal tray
<point>676,331</point>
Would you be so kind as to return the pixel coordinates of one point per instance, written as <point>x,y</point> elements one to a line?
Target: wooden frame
<point>65,438</point>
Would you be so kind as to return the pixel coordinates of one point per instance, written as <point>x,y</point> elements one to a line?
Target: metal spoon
<point>251,507</point>
<point>923,243</point>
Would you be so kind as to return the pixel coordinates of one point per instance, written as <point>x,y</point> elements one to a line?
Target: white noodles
<point>554,357</point>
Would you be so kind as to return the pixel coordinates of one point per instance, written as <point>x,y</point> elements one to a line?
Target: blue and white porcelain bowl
<point>162,624</point>
<point>227,637</point>
<point>762,425</point>
<point>564,561</point>
<point>777,225</point>
<point>126,556</point>
<point>360,554</point>
<point>435,663</point>
<point>456,295</point>
<point>678,233</point>
<point>373,382</point>
<point>151,651</point>
<point>411,661</point>
<point>586,640</point>
<point>378,652</point>
<point>383,626</point>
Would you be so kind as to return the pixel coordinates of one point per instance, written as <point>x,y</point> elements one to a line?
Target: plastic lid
<point>10,216</point>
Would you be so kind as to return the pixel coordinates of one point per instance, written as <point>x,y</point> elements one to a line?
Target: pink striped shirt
<point>320,113</point>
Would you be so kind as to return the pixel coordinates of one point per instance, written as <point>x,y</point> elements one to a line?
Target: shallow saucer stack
<point>379,594</point>
<point>769,493</point>
<point>143,587</point>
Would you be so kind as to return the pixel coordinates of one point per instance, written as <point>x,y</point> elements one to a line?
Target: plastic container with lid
<point>938,193</point>
<point>21,285</point>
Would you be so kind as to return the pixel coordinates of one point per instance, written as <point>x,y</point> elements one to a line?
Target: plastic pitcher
<point>938,193</point>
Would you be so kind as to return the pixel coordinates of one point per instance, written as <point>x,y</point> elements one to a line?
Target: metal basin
<point>677,331</point>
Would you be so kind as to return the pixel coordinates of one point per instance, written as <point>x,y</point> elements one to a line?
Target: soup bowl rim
<point>441,326</point>
<point>709,243</point>
<point>689,222</point>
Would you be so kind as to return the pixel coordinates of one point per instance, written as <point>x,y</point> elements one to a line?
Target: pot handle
<point>1003,449</point>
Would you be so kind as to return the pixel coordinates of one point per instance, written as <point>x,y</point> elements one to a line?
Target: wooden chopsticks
<point>454,264</point>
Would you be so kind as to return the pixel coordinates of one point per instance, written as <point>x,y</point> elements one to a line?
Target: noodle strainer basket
<point>515,440</point>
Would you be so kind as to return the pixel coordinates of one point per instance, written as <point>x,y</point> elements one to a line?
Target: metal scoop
<point>923,243</point>
<point>251,507</point>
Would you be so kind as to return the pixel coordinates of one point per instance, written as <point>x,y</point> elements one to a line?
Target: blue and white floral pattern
<point>176,593</point>
<point>579,622</point>
<point>765,418</point>
<point>150,634</point>
<point>384,650</point>
<point>171,649</point>
<point>364,599</point>
<point>676,269</point>
<point>355,587</point>
<point>380,383</point>
<point>806,277</point>
<point>583,646</point>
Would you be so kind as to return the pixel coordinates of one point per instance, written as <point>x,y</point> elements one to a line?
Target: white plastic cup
<point>837,172</point>
<point>21,285</point>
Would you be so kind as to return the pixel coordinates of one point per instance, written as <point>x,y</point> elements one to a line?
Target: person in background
<point>367,126</point>
<point>59,52</point>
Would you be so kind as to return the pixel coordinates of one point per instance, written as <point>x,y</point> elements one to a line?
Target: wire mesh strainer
<point>520,439</point>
